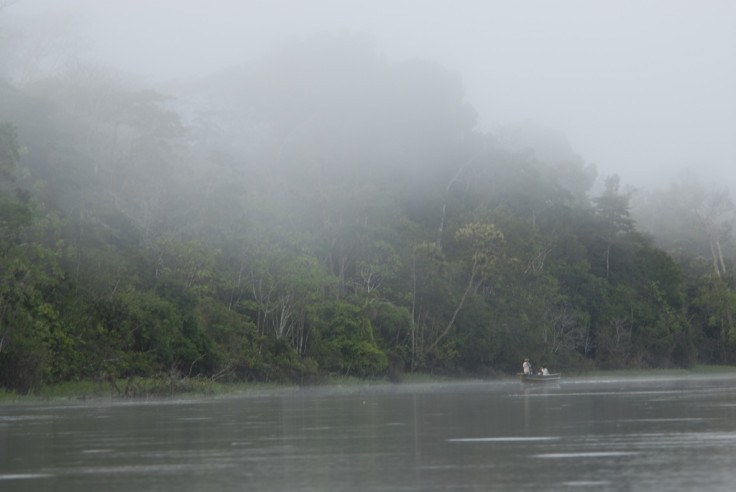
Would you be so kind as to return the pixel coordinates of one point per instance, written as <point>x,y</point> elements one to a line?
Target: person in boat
<point>527,367</point>
<point>543,371</point>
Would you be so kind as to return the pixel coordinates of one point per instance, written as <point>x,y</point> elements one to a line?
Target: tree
<point>332,212</point>
<point>612,207</point>
<point>689,216</point>
<point>9,150</point>
<point>29,272</point>
<point>14,215</point>
<point>485,244</point>
<point>345,341</point>
<point>378,263</point>
<point>694,222</point>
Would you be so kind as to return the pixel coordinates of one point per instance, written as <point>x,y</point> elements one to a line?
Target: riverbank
<point>136,389</point>
<point>696,370</point>
<point>166,387</point>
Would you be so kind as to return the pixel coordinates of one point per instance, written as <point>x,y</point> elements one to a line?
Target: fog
<point>282,191</point>
<point>643,89</point>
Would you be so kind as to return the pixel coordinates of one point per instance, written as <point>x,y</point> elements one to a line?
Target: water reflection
<point>653,434</point>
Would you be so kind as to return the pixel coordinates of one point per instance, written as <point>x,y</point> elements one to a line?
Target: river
<point>658,433</point>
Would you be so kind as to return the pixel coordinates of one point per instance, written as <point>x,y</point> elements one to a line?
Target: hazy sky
<point>640,87</point>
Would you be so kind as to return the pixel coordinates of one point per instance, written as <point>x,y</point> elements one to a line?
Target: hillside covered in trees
<point>324,211</point>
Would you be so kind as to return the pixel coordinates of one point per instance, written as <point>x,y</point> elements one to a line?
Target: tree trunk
<point>471,285</point>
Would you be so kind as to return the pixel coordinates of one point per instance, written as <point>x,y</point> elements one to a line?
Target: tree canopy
<point>322,210</point>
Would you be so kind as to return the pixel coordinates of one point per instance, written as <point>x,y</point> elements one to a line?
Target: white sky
<point>642,88</point>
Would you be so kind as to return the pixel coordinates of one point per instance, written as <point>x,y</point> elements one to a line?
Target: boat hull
<point>534,378</point>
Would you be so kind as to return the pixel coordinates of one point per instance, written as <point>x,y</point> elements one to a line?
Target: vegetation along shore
<point>229,230</point>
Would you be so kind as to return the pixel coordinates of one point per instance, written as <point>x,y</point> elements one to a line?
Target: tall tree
<point>485,246</point>
<point>612,207</point>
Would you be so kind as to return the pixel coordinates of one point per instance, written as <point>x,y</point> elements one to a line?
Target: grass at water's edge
<point>137,389</point>
<point>163,387</point>
<point>701,370</point>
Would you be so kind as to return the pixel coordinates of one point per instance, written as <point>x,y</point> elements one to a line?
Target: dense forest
<point>322,210</point>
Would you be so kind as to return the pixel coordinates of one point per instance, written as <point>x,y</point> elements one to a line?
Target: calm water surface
<point>624,434</point>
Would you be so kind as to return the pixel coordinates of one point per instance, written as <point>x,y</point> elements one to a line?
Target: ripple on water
<point>24,476</point>
<point>586,454</point>
<point>586,483</point>
<point>504,439</point>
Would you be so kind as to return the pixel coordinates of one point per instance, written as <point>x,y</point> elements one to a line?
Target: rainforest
<point>321,210</point>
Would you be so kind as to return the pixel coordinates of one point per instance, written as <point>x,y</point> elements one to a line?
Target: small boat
<point>538,378</point>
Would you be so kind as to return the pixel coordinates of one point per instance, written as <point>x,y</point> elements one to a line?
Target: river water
<point>658,433</point>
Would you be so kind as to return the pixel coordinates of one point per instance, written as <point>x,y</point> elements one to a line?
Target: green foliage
<point>27,318</point>
<point>9,150</point>
<point>391,324</point>
<point>711,310</point>
<point>345,342</point>
<point>332,213</point>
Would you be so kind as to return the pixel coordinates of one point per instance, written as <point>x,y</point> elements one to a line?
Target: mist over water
<point>608,434</point>
<point>210,177</point>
